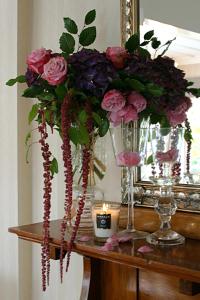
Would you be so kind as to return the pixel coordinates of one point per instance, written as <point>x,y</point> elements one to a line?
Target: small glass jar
<point>105,216</point>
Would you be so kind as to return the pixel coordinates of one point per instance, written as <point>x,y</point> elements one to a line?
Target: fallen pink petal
<point>84,238</point>
<point>124,238</point>
<point>144,249</point>
<point>107,247</point>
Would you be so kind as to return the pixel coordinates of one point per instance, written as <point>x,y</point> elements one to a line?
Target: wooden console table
<point>124,273</point>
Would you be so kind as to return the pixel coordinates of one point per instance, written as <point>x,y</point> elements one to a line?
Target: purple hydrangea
<point>31,78</point>
<point>93,72</point>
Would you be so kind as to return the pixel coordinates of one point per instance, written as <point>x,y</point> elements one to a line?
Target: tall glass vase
<point>129,145</point>
<point>167,149</point>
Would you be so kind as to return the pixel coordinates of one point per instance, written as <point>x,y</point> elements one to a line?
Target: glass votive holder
<point>105,216</point>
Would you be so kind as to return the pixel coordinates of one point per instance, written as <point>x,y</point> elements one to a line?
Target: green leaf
<point>97,118</point>
<point>83,116</point>
<point>155,43</point>
<point>133,43</point>
<point>20,79</point>
<point>87,36</point>
<point>195,92</point>
<point>135,84</point>
<point>46,96</point>
<point>154,90</point>
<point>84,135</point>
<point>67,43</point>
<point>74,135</point>
<point>54,166</point>
<point>70,25</point>
<point>32,92</point>
<point>148,35</point>
<point>188,136</point>
<point>61,91</point>
<point>33,113</point>
<point>90,17</point>
<point>150,160</point>
<point>103,128</point>
<point>144,43</point>
<point>28,136</point>
<point>143,52</point>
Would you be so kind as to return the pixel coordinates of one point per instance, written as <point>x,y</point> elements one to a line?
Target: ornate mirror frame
<point>187,196</point>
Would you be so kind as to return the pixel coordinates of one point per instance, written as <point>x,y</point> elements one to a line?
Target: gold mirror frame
<point>187,196</point>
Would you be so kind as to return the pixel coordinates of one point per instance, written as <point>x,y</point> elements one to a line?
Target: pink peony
<point>138,101</point>
<point>55,70</point>
<point>113,101</point>
<point>37,59</point>
<point>126,114</point>
<point>117,55</point>
<point>169,156</point>
<point>128,159</point>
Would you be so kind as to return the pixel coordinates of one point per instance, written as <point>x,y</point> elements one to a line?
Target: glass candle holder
<point>105,218</point>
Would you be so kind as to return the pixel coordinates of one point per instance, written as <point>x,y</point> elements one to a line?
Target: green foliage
<point>150,159</point>
<point>103,128</point>
<point>148,35</point>
<point>87,36</point>
<point>135,84</point>
<point>90,17</point>
<point>46,96</point>
<point>154,90</point>
<point>70,25</point>
<point>82,116</point>
<point>19,79</point>
<point>28,136</point>
<point>195,92</point>
<point>79,135</point>
<point>61,91</point>
<point>33,113</point>
<point>32,91</point>
<point>54,166</point>
<point>67,43</point>
<point>155,43</point>
<point>133,43</point>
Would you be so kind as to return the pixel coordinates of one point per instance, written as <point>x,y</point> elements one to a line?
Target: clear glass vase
<point>167,150</point>
<point>129,145</point>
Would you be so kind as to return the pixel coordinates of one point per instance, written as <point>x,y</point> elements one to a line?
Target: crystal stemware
<point>129,145</point>
<point>167,150</point>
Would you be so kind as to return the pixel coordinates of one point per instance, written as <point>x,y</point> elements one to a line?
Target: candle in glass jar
<point>105,219</point>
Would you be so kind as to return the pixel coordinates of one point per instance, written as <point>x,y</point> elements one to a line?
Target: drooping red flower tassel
<point>85,172</point>
<point>188,135</point>
<point>46,154</point>
<point>68,173</point>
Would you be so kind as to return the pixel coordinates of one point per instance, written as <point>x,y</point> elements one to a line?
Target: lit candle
<point>105,219</point>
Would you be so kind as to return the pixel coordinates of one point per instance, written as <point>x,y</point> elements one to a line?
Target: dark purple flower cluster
<point>93,72</point>
<point>31,78</point>
<point>162,72</point>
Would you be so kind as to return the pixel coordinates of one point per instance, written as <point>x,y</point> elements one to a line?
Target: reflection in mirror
<point>176,19</point>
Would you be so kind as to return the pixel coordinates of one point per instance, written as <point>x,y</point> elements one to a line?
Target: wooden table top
<point>182,261</point>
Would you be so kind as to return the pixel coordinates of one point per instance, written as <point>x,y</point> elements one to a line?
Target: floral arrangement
<point>80,93</point>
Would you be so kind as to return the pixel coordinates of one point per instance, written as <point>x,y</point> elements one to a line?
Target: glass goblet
<point>167,149</point>
<point>129,146</point>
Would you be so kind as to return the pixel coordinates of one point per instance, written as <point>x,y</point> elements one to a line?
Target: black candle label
<point>103,221</point>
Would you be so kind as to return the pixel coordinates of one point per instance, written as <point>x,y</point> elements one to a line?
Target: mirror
<point>170,19</point>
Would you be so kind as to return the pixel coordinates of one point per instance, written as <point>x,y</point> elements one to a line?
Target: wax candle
<point>105,219</point>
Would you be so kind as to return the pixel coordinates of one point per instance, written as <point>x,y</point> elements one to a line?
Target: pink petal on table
<point>107,247</point>
<point>125,238</point>
<point>113,240</point>
<point>144,249</point>
<point>84,238</point>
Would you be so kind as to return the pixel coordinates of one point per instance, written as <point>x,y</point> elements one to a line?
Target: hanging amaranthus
<point>46,154</point>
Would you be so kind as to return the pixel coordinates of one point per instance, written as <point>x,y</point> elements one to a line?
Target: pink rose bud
<point>138,101</point>
<point>169,156</point>
<point>55,70</point>
<point>117,55</point>
<point>128,159</point>
<point>37,59</point>
<point>126,114</point>
<point>113,101</point>
<point>176,118</point>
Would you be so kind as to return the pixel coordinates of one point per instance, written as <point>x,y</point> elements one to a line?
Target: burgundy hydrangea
<point>92,71</point>
<point>31,78</point>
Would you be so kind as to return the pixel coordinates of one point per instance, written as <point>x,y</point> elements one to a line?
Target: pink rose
<point>169,156</point>
<point>55,70</point>
<point>176,118</point>
<point>138,101</point>
<point>128,159</point>
<point>117,55</point>
<point>37,59</point>
<point>113,101</point>
<point>126,114</point>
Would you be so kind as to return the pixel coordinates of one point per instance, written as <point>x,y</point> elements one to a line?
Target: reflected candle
<point>105,219</point>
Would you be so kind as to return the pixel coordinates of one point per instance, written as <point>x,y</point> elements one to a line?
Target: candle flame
<point>105,207</point>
